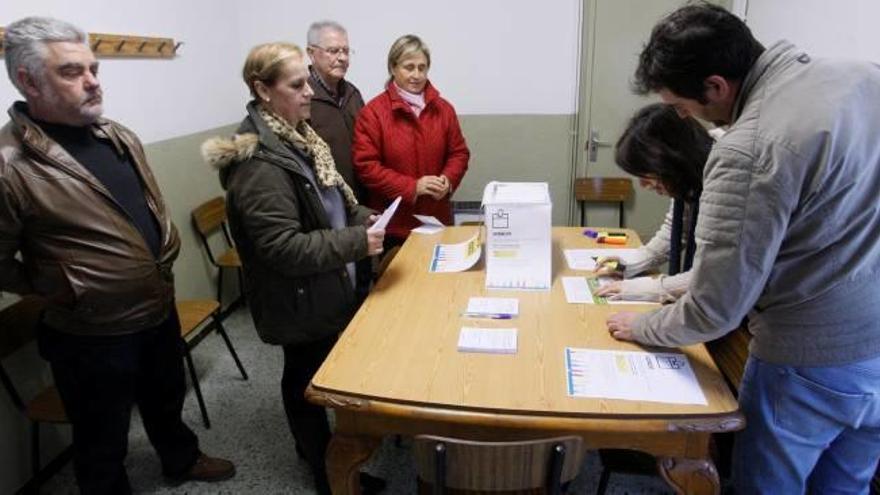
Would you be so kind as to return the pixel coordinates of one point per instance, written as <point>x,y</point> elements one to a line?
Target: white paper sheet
<point>455,257</point>
<point>577,291</point>
<point>430,225</point>
<point>489,340</point>
<point>585,259</point>
<point>383,220</point>
<point>580,290</point>
<point>492,307</point>
<point>626,375</point>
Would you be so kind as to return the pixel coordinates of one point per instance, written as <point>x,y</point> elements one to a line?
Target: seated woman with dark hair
<point>667,153</point>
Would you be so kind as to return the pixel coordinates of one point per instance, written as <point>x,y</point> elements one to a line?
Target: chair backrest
<point>604,189</point>
<point>18,327</point>
<point>497,466</point>
<point>208,218</point>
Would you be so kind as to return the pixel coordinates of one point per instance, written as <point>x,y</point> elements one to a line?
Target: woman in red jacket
<point>407,142</point>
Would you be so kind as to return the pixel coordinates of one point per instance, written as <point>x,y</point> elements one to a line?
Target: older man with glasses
<point>336,102</point>
<point>335,106</point>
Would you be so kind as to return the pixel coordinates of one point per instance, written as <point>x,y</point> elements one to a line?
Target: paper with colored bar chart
<point>455,257</point>
<point>628,375</point>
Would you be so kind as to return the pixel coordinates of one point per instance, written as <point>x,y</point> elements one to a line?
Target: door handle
<point>594,143</point>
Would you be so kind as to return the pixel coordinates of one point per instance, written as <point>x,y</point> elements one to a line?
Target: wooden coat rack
<point>126,46</point>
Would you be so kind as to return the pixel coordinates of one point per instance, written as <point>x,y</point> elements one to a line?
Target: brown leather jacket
<point>78,248</point>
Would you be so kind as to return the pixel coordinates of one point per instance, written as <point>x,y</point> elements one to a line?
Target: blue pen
<point>489,316</point>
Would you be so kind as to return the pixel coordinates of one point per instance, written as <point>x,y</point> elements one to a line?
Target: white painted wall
<point>157,98</point>
<point>488,56</point>
<point>843,28</point>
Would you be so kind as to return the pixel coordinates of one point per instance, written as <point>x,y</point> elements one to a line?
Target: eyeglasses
<point>335,51</point>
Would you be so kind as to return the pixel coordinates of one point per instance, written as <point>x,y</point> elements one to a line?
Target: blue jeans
<point>808,429</point>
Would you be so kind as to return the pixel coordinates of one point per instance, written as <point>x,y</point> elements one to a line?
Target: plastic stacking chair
<point>18,327</point>
<point>197,318</point>
<point>526,467</point>
<point>208,219</point>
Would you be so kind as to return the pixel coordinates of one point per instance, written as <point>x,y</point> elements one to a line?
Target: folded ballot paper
<point>430,225</point>
<point>385,217</point>
<point>518,235</point>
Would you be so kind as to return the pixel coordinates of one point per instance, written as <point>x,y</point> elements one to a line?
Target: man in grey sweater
<point>788,235</point>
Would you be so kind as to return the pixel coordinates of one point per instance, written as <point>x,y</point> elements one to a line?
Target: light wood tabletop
<point>396,369</point>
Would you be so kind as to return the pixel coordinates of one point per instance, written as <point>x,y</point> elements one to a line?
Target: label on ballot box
<point>518,241</point>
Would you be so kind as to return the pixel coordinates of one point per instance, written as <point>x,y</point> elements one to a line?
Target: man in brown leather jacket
<point>80,206</point>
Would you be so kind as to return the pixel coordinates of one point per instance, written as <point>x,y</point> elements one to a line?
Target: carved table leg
<point>345,455</point>
<point>690,476</point>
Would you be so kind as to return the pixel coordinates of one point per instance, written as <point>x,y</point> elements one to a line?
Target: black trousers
<point>100,379</point>
<point>308,422</point>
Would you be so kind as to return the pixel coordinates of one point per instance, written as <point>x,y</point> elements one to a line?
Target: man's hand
<point>371,220</point>
<point>620,325</point>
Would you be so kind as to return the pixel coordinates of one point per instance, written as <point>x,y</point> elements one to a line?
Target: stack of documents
<point>489,340</point>
<point>499,308</point>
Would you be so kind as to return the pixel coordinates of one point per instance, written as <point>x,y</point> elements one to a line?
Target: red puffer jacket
<point>393,149</point>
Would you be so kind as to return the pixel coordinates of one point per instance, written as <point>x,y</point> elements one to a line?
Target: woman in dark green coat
<point>298,229</point>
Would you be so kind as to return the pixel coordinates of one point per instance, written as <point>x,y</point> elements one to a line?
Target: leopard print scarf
<point>305,139</point>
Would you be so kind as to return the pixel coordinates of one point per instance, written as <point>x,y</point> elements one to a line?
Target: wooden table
<point>396,370</point>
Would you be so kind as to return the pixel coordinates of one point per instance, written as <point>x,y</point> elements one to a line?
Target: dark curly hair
<point>694,42</point>
<point>657,143</point>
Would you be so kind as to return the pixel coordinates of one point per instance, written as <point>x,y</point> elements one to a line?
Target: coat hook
<point>176,47</point>
<point>141,47</point>
<point>96,45</point>
<point>120,45</point>
<point>161,46</point>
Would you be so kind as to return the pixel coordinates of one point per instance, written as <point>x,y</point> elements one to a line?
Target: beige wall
<point>186,181</point>
<point>519,148</point>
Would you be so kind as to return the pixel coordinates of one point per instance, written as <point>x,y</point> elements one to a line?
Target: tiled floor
<point>249,427</point>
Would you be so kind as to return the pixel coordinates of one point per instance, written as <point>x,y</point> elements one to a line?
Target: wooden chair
<point>534,466</point>
<point>730,353</point>
<point>209,218</point>
<point>19,324</point>
<point>603,190</point>
<point>197,318</point>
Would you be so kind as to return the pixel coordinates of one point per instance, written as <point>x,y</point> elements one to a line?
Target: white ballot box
<point>517,216</point>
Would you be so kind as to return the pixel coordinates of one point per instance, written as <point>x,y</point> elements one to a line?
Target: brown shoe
<point>206,468</point>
